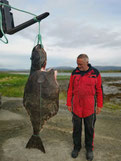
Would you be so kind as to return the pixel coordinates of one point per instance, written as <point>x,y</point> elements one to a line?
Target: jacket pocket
<point>90,86</point>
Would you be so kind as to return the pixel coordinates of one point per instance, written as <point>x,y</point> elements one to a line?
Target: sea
<point>102,74</point>
<point>116,74</point>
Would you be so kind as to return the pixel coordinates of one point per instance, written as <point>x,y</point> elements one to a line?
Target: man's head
<point>82,62</point>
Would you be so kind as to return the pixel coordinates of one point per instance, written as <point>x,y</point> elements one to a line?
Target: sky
<point>73,27</point>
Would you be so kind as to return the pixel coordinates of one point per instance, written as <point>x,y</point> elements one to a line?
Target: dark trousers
<point>89,123</point>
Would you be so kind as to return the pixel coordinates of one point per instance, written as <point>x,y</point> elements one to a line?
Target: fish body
<point>41,101</point>
<point>0,100</point>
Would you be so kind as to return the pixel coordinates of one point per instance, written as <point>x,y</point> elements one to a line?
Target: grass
<point>12,85</point>
<point>63,77</point>
<point>112,106</point>
<point>63,95</point>
<point>110,71</point>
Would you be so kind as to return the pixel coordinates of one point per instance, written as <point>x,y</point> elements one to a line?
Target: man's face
<point>82,64</point>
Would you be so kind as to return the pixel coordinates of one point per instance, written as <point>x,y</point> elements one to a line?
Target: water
<point>111,74</point>
<point>68,74</point>
<point>102,74</point>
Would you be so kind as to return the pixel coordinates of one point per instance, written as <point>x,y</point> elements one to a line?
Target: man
<point>83,95</point>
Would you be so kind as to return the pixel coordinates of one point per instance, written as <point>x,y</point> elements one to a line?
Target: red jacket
<point>84,91</point>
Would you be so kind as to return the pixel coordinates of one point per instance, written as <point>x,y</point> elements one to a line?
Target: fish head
<point>38,58</point>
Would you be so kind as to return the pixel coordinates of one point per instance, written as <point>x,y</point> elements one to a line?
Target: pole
<point>27,23</point>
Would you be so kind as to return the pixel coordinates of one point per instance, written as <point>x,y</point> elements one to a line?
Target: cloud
<point>66,31</point>
<point>13,61</point>
<point>70,33</point>
<point>63,57</point>
<point>73,27</point>
<point>17,45</point>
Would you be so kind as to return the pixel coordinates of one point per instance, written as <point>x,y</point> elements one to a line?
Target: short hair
<point>83,56</point>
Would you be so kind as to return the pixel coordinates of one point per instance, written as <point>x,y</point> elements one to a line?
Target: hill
<point>108,68</point>
<point>68,69</point>
<point>100,68</point>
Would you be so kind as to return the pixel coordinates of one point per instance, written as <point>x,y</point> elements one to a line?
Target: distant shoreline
<point>68,69</point>
<point>103,74</point>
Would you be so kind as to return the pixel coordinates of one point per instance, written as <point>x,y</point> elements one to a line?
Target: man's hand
<point>98,110</point>
<point>70,108</point>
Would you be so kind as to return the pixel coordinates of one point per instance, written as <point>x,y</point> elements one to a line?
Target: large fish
<point>0,100</point>
<point>41,96</point>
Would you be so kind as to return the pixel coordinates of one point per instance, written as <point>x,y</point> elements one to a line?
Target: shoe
<point>89,155</point>
<point>74,153</point>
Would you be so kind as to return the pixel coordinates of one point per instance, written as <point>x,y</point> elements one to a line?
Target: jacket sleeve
<point>70,92</point>
<point>99,92</point>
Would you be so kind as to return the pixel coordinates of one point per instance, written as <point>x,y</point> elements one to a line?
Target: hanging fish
<point>0,100</point>
<point>41,95</point>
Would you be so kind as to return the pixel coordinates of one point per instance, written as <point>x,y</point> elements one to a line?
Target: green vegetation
<point>12,85</point>
<point>64,71</point>
<point>112,106</point>
<point>110,71</point>
<point>63,95</point>
<point>63,77</point>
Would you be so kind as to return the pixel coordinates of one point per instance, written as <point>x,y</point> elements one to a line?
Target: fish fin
<point>35,142</point>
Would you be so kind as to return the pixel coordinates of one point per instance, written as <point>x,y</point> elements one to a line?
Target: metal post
<point>27,23</point>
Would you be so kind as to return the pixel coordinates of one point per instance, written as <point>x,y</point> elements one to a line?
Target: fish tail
<point>35,142</point>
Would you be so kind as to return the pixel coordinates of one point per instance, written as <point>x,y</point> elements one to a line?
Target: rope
<point>18,9</point>
<point>1,28</point>
<point>38,38</point>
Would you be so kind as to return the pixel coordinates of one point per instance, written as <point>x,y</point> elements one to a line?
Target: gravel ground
<point>15,131</point>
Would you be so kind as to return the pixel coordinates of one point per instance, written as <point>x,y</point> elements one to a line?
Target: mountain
<point>13,70</point>
<point>4,69</point>
<point>69,68</point>
<point>108,68</point>
<point>100,68</point>
<point>64,68</point>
